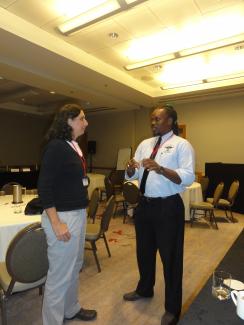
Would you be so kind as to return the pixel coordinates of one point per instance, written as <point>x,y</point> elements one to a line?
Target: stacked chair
<point>228,203</point>
<point>207,207</point>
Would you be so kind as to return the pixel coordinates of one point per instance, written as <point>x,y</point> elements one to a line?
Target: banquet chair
<point>227,204</point>
<point>96,231</point>
<point>117,178</point>
<point>131,195</point>
<point>204,181</point>
<point>93,205</point>
<point>119,198</point>
<point>207,207</point>
<point>25,266</point>
<point>8,187</point>
<point>32,191</point>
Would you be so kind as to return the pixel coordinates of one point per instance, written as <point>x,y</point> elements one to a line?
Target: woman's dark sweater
<point>60,179</point>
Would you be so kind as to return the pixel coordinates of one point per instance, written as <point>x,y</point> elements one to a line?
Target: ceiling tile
<point>212,5</point>
<point>36,12</point>
<point>175,12</point>
<point>97,38</point>
<point>6,3</point>
<point>139,21</point>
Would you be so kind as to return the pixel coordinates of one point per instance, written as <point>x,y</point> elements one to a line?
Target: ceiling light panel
<point>74,8</point>
<point>182,71</point>
<point>89,16</point>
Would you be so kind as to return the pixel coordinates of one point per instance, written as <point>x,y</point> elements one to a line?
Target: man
<point>164,166</point>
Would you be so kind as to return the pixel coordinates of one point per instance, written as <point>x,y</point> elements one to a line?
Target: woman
<point>62,188</point>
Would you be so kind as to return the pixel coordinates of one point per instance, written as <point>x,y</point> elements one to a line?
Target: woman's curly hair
<point>60,128</point>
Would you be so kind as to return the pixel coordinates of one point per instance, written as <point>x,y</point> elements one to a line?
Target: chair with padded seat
<point>131,195</point>
<point>93,205</point>
<point>204,181</point>
<point>227,204</point>
<point>95,231</point>
<point>119,198</point>
<point>207,207</point>
<point>25,266</point>
<point>8,188</point>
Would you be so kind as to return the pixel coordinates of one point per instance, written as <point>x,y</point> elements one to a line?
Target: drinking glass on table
<point>221,285</point>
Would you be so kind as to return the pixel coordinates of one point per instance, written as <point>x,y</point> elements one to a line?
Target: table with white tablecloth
<point>10,222</point>
<point>192,194</point>
<point>96,180</point>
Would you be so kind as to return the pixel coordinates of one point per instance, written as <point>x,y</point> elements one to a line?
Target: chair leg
<point>125,208</point>
<point>94,250</point>
<point>192,214</point>
<point>115,210</point>
<point>106,244</point>
<point>232,217</point>
<point>3,302</point>
<point>214,220</point>
<point>40,290</point>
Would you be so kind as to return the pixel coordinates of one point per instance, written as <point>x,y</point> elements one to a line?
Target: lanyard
<point>83,162</point>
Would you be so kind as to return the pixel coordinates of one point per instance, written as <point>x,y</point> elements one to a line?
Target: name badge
<point>85,181</point>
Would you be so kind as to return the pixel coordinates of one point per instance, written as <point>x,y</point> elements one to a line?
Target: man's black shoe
<point>133,296</point>
<point>84,314</point>
<point>169,319</point>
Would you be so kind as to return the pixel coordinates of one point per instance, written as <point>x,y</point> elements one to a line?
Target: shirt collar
<point>166,136</point>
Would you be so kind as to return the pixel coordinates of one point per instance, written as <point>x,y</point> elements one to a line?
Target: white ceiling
<point>89,65</point>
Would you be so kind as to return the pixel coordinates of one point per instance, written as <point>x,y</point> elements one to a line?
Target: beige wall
<point>214,127</point>
<point>21,137</point>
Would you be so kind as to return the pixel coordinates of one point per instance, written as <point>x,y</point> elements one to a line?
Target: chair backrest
<point>234,187</point>
<point>107,214</point>
<point>204,181</point>
<point>93,204</point>
<point>117,177</point>
<point>26,258</point>
<point>2,193</point>
<point>131,192</point>
<point>108,187</point>
<point>34,206</point>
<point>8,188</point>
<point>217,193</point>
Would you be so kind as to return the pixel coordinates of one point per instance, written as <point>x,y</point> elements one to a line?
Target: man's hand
<point>131,166</point>
<point>150,165</point>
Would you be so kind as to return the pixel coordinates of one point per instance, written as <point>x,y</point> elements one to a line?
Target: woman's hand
<point>61,231</point>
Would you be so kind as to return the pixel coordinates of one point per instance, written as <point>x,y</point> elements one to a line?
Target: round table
<point>192,193</point>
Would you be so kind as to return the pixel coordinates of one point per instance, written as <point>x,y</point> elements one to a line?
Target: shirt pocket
<point>167,157</point>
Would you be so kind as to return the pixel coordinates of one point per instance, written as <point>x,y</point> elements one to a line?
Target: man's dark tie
<point>146,172</point>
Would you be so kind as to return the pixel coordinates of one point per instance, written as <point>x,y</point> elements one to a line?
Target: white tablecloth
<point>11,223</point>
<point>96,180</point>
<point>192,194</point>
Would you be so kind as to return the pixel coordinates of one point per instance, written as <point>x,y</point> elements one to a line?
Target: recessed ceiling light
<point>52,92</point>
<point>113,35</point>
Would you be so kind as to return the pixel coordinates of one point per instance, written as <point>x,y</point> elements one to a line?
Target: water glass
<point>17,208</point>
<point>221,285</point>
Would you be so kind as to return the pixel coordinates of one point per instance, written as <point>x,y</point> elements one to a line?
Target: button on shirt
<point>174,153</point>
